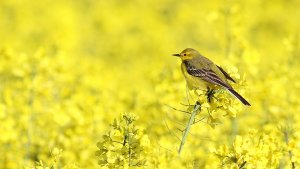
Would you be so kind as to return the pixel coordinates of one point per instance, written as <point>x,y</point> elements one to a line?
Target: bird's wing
<point>226,74</point>
<point>207,75</point>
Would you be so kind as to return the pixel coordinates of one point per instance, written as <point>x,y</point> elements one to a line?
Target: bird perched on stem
<point>200,72</point>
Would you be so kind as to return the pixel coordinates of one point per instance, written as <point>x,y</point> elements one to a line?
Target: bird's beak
<point>176,55</point>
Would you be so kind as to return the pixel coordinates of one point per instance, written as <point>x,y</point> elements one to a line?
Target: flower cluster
<point>252,151</point>
<point>124,145</point>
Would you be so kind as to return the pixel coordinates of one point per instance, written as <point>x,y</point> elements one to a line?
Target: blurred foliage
<point>69,68</point>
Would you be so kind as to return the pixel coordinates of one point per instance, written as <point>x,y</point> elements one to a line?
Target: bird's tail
<point>244,101</point>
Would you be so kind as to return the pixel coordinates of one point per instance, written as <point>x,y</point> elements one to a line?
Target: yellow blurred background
<point>68,68</point>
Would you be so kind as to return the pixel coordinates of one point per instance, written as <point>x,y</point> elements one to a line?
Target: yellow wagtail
<point>200,72</point>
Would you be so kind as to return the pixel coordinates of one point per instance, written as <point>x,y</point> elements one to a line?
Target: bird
<point>200,72</point>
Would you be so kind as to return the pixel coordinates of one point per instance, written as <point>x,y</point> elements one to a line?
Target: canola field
<point>93,84</point>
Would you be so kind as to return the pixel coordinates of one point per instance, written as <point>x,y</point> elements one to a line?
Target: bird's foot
<point>210,93</point>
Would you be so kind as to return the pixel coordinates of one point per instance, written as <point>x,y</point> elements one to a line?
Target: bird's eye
<point>184,54</point>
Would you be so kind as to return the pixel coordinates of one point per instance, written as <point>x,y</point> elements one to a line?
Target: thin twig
<point>177,109</point>
<point>177,122</point>
<point>170,130</point>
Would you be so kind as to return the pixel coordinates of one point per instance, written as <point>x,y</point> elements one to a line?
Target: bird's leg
<point>210,93</point>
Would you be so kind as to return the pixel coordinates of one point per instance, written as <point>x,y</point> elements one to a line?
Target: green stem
<point>188,126</point>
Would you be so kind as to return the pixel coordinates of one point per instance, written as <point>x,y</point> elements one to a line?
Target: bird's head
<point>187,54</point>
